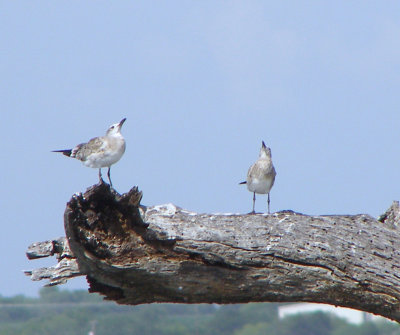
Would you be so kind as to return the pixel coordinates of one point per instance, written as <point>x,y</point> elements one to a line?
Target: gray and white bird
<point>102,151</point>
<point>261,175</point>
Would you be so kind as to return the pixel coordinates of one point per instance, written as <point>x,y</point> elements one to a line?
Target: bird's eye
<point>112,127</point>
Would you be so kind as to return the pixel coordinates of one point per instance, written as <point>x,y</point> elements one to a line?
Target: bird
<point>102,151</point>
<point>261,175</point>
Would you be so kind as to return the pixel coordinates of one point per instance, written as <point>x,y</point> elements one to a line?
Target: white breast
<point>260,186</point>
<point>109,154</point>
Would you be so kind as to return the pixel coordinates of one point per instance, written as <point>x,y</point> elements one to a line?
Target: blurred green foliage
<point>64,312</point>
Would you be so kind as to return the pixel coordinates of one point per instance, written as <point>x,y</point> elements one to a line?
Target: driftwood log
<point>134,254</point>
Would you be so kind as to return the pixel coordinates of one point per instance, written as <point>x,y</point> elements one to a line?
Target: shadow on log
<point>134,254</point>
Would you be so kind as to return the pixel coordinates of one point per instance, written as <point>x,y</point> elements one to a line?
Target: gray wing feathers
<point>262,170</point>
<point>83,150</point>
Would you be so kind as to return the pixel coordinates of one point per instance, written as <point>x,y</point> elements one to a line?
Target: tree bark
<point>134,254</point>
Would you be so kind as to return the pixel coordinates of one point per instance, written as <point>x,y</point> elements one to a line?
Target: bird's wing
<point>273,175</point>
<point>261,169</point>
<point>254,171</point>
<point>82,151</point>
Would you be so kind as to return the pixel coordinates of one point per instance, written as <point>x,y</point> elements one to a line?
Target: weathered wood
<point>66,268</point>
<point>134,254</point>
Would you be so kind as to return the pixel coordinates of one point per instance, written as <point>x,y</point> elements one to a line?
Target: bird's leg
<point>108,175</point>
<point>254,202</point>
<point>268,203</point>
<point>100,177</point>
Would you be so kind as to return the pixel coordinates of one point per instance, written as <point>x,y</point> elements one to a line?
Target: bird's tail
<point>66,152</point>
<point>243,182</point>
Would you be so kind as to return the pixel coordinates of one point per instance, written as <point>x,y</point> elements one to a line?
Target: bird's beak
<point>263,145</point>
<point>122,122</point>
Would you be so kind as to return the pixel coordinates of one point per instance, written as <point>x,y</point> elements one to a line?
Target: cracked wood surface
<point>134,254</point>
<point>66,268</point>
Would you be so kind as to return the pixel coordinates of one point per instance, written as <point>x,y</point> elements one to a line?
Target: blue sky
<point>201,84</point>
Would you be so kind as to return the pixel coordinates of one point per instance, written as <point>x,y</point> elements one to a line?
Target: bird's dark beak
<point>263,144</point>
<point>122,122</point>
